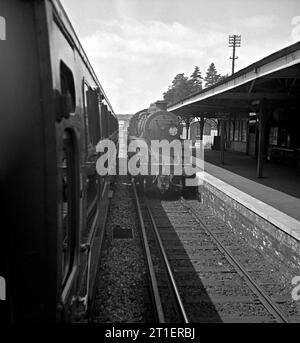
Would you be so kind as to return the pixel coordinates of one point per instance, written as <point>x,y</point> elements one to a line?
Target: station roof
<point>275,78</point>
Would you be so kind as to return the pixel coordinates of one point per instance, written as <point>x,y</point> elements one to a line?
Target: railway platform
<point>267,218</point>
<point>280,188</point>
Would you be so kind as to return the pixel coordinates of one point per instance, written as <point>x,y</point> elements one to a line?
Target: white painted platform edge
<point>281,220</point>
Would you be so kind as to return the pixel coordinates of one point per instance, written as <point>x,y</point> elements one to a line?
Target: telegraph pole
<point>234,42</point>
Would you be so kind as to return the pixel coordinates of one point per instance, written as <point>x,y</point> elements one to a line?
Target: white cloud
<point>132,40</point>
<point>137,46</point>
<point>138,59</point>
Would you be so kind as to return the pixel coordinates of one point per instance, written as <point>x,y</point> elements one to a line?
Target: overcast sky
<point>137,46</point>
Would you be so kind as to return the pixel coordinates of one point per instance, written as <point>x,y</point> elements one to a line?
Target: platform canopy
<point>275,78</point>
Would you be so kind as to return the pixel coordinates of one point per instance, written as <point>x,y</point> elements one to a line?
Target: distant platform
<point>277,176</point>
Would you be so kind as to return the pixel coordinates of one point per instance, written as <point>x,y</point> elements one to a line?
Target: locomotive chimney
<point>161,104</point>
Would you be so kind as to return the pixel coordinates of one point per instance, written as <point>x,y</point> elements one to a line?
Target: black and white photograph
<point>149,164</point>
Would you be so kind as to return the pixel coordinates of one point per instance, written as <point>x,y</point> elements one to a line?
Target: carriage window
<point>92,130</point>
<point>231,133</point>
<point>2,29</point>
<point>273,135</point>
<point>236,130</point>
<point>104,122</point>
<point>285,138</point>
<point>86,116</point>
<point>243,131</point>
<point>69,201</point>
<point>67,84</point>
<point>91,115</point>
<point>228,130</point>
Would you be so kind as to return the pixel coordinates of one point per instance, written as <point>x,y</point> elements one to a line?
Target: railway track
<point>193,272</point>
<point>143,210</point>
<point>259,292</point>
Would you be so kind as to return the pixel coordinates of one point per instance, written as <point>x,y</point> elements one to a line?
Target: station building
<point>257,109</point>
<point>251,177</point>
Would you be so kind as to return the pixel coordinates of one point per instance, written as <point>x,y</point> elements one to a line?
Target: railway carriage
<point>53,113</point>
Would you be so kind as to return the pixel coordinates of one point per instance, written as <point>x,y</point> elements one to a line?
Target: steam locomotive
<point>53,113</point>
<point>158,124</point>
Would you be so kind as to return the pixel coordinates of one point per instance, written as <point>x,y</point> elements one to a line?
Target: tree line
<point>183,86</point>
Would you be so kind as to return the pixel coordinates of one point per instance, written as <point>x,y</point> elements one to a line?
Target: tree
<point>179,89</point>
<point>169,95</point>
<point>182,86</point>
<point>212,76</point>
<point>196,80</point>
<point>223,77</point>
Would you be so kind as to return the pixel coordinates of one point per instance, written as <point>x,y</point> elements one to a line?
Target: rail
<point>176,296</point>
<point>264,298</point>
<point>182,316</point>
<point>150,269</point>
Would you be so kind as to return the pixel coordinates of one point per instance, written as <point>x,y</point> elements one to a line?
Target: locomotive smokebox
<point>161,104</point>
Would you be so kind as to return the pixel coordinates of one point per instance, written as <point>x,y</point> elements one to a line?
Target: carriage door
<point>69,215</point>
<point>68,195</point>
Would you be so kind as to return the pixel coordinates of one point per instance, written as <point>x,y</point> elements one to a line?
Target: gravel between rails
<point>122,294</point>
